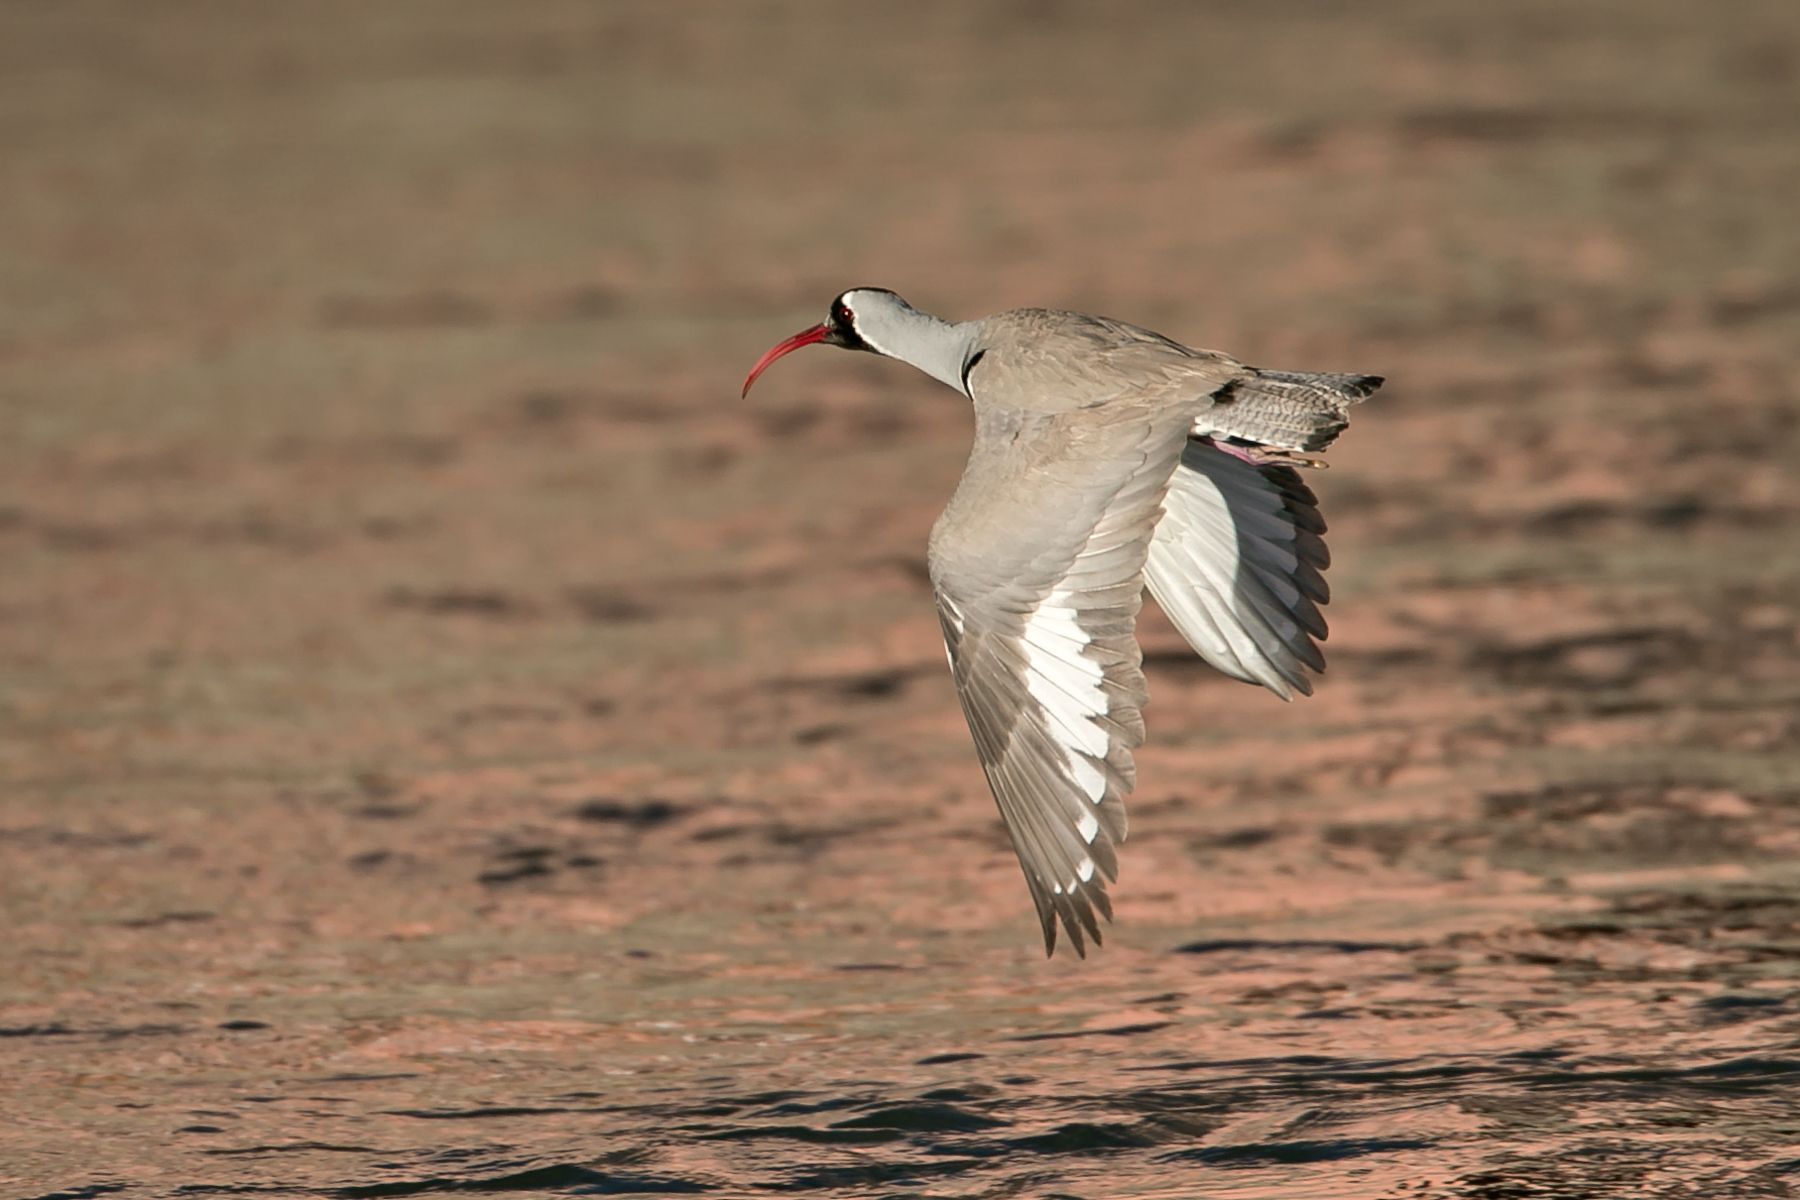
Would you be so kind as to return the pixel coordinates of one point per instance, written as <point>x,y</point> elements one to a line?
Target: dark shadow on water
<point>922,1118</point>
<point>1071,1034</point>
<point>1294,1152</point>
<point>1011,1134</point>
<point>1277,946</point>
<point>567,1179</point>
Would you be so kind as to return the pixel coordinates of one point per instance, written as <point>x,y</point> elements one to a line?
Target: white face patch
<point>887,325</point>
<point>858,311</point>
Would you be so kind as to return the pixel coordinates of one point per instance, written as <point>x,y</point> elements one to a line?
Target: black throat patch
<point>970,366</point>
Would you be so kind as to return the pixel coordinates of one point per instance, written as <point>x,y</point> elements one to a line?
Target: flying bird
<point>1106,458</point>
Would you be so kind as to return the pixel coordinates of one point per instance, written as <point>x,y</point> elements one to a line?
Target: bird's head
<point>848,323</point>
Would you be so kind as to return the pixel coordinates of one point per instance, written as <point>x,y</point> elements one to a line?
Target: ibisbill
<point>1107,459</point>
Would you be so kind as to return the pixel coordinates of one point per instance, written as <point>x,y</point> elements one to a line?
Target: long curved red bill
<point>805,337</point>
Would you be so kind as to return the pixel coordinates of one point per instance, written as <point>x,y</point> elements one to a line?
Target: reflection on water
<point>1567,1062</point>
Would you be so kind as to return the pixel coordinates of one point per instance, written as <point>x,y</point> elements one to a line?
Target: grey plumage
<point>1092,431</point>
<point>1107,458</point>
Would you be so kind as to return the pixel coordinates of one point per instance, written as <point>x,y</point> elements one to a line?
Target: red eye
<point>843,314</point>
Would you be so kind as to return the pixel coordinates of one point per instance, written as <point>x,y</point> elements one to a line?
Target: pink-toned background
<point>449,742</point>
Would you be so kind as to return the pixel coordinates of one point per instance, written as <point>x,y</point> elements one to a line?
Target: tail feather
<point>1286,410</point>
<point>1336,387</point>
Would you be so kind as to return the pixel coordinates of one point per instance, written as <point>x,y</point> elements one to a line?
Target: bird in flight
<point>1107,458</point>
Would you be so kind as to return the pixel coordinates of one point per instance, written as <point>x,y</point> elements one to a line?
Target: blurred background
<point>449,741</point>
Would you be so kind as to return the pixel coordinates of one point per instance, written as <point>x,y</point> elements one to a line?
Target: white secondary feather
<point>1223,567</point>
<point>1087,827</point>
<point>1071,688</point>
<point>1092,782</point>
<point>1068,684</point>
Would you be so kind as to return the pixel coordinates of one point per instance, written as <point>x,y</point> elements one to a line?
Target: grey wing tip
<point>1046,918</point>
<point>1050,942</point>
<point>1075,912</point>
<point>1077,942</point>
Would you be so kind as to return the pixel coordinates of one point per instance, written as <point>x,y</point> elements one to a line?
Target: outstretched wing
<point>1237,565</point>
<point>1038,568</point>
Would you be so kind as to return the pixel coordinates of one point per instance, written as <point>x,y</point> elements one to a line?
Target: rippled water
<point>1639,1054</point>
<point>451,744</point>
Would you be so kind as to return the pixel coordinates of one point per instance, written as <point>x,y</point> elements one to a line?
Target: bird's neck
<point>936,347</point>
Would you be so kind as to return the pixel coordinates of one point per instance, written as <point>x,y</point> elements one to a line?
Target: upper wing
<point>1037,565</point>
<point>1236,564</point>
